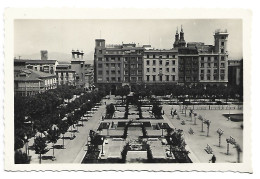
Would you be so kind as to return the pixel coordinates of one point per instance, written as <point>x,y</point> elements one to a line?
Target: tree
<point>110,110</point>
<point>207,122</point>
<point>239,150</point>
<point>63,127</point>
<point>201,119</point>
<point>21,158</point>
<point>157,111</point>
<point>123,91</point>
<point>40,146</point>
<point>53,136</point>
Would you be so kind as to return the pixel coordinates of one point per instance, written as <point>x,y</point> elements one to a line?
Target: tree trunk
<point>40,158</point>
<point>63,141</point>
<point>208,132</point>
<point>53,150</point>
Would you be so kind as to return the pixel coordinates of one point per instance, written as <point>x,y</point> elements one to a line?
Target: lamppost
<point>102,151</point>
<point>162,129</point>
<point>26,144</point>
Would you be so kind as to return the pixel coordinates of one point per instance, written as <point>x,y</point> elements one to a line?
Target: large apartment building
<point>186,63</point>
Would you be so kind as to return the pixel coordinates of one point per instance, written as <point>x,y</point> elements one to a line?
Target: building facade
<point>160,66</point>
<point>78,65</point>
<point>46,66</point>
<point>89,75</point>
<point>186,63</point>
<point>29,82</point>
<point>235,72</point>
<point>65,75</point>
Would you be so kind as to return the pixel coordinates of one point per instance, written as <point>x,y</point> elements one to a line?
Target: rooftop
<point>31,75</point>
<point>28,61</point>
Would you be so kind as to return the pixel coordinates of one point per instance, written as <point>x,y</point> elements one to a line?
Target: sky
<point>61,36</point>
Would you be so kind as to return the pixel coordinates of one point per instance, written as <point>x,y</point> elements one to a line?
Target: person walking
<point>213,159</point>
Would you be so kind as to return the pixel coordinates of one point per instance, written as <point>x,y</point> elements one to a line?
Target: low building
<point>28,82</point>
<point>65,75</point>
<point>46,66</point>
<point>235,72</point>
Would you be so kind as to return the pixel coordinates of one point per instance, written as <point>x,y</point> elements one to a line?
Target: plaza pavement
<point>198,141</point>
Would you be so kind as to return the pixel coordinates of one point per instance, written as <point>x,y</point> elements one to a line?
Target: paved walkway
<point>199,140</point>
<point>74,149</point>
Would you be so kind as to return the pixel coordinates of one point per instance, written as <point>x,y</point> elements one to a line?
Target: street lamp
<point>26,144</point>
<point>102,151</point>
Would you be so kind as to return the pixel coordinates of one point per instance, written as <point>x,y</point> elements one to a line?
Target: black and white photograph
<point>128,91</point>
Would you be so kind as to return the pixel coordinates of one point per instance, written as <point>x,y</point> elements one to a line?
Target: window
<point>215,65</point>
<point>215,71</point>
<point>139,72</point>
<point>202,65</point>
<point>160,62</point>
<point>107,59</point>
<point>173,77</point>
<point>113,72</point>
<point>147,62</point>
<point>173,62</point>
<point>154,62</point>
<point>215,77</point>
<point>222,58</point>
<point>208,71</point>
<point>173,69</point>
<point>222,50</point>
<point>100,65</point>
<point>154,77</point>
<point>167,77</point>
<point>154,69</point>
<point>132,72</point>
<point>167,55</point>
<point>216,58</point>
<point>202,58</point>
<point>107,65</point>
<point>208,77</point>
<point>100,51</point>
<point>208,64</point>
<point>140,79</point>
<point>201,71</point>
<point>147,78</point>
<point>147,56</point>
<point>153,56</point>
<point>132,65</point>
<point>222,43</point>
<point>148,69</point>
<point>222,64</point>
<point>107,79</point>
<point>167,70</point>
<point>119,79</point>
<point>100,59</point>
<point>167,63</point>
<point>119,72</point>
<point>126,72</point>
<point>118,65</point>
<point>160,69</point>
<point>126,79</point>
<point>107,72</point>
<point>99,72</point>
<point>133,79</point>
<point>113,65</point>
<point>160,78</point>
<point>202,77</point>
<point>222,71</point>
<point>113,59</point>
<point>113,79</point>
<point>35,68</point>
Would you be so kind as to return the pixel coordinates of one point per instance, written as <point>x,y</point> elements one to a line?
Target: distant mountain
<point>61,57</point>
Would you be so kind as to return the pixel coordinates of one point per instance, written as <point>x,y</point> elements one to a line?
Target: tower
<point>44,55</point>
<point>221,37</point>
<point>176,42</point>
<point>182,42</point>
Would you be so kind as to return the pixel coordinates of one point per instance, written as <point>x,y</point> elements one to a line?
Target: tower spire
<point>177,30</point>
<point>181,29</point>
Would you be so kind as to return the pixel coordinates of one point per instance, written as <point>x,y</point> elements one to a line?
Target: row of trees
<point>46,114</point>
<point>189,91</point>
